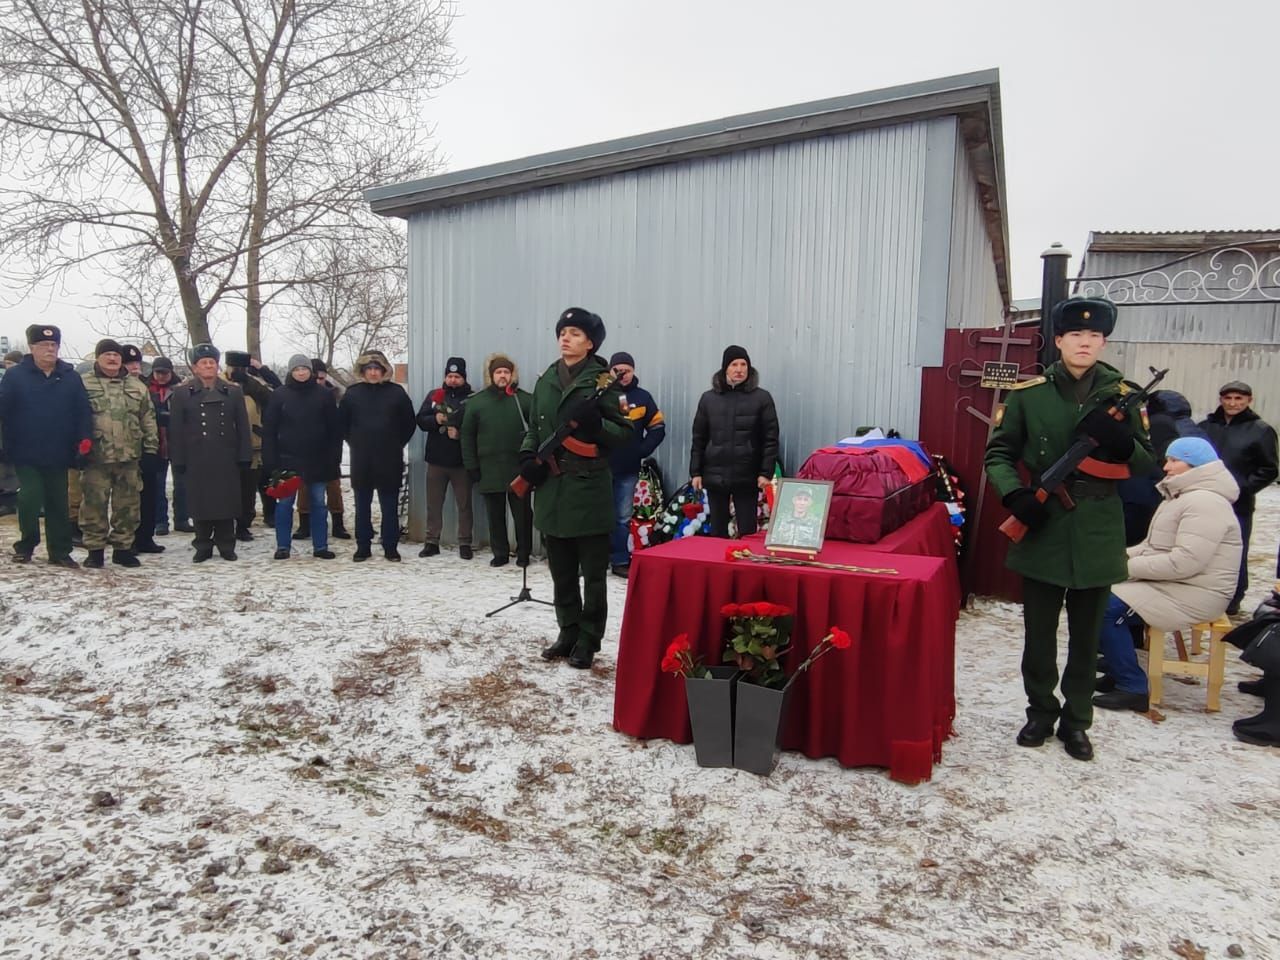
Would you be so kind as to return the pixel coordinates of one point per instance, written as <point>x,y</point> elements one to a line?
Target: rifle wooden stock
<point>521,487</point>
<point>1015,529</point>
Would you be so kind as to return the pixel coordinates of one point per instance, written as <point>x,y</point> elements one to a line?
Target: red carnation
<point>731,610</point>
<point>672,664</point>
<point>840,639</point>
<point>437,395</point>
<point>680,642</point>
<point>691,510</point>
<point>774,610</point>
<point>730,554</point>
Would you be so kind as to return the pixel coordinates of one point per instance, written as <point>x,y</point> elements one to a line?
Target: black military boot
<point>582,656</point>
<point>430,550</point>
<point>338,531</point>
<point>147,546</point>
<point>304,527</point>
<point>363,552</point>
<point>1263,729</point>
<point>125,558</point>
<point>95,559</point>
<point>202,554</point>
<point>1034,733</point>
<point>562,647</point>
<point>242,532</point>
<point>465,552</point>
<point>1076,742</point>
<point>391,553</point>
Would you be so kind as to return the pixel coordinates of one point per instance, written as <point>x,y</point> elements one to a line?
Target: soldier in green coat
<point>493,427</point>
<point>124,431</point>
<point>573,509</point>
<point>1067,555</point>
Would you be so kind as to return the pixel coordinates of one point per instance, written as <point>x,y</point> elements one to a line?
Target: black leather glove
<point>1114,438</point>
<point>474,475</point>
<point>1022,503</point>
<point>534,473</point>
<point>586,414</point>
<point>151,463</point>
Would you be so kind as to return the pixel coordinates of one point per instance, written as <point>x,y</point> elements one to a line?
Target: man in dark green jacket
<point>574,508</point>
<point>493,427</point>
<point>1073,555</point>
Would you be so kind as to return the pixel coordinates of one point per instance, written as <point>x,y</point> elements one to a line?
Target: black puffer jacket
<point>735,434</point>
<point>1248,447</point>
<point>300,432</point>
<point>377,421</point>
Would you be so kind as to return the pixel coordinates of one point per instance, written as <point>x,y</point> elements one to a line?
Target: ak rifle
<point>1080,457</point>
<point>562,440</point>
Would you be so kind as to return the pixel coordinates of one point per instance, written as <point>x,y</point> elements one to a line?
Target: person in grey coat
<point>209,444</point>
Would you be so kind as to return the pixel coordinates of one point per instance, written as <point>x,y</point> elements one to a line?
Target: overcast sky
<point>1117,115</point>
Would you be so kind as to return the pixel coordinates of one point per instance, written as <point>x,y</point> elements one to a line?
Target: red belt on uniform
<point>580,448</point>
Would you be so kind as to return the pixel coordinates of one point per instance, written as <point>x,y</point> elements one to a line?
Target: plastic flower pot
<point>757,722</point>
<point>710,702</point>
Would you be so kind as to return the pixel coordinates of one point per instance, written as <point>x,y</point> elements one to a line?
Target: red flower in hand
<point>437,395</point>
<point>840,639</point>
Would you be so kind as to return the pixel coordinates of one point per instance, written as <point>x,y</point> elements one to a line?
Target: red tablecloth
<point>887,701</point>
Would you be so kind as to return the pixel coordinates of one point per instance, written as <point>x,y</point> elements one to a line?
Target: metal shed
<point>835,240</point>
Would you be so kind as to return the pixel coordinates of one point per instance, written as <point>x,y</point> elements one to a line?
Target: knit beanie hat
<point>298,360</point>
<point>107,345</point>
<point>731,353</point>
<point>622,357</point>
<point>160,364</point>
<point>456,365</point>
<point>1196,451</point>
<point>501,362</point>
<point>317,365</point>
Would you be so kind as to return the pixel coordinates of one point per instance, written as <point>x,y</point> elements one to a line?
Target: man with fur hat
<point>124,431</point>
<point>649,429</point>
<point>440,418</point>
<point>376,419</point>
<point>1247,444</point>
<point>735,442</point>
<point>1070,556</point>
<point>46,429</point>
<point>493,428</point>
<point>210,445</point>
<point>573,507</point>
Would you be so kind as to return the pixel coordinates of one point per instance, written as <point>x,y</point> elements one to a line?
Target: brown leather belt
<point>580,448</point>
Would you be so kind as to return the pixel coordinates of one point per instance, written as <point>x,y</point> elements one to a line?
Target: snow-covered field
<point>324,759</point>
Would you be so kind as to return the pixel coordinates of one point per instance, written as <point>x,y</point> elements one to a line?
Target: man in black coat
<point>300,434</point>
<point>1247,445</point>
<point>735,442</point>
<point>440,418</point>
<point>624,463</point>
<point>376,419</point>
<point>209,446</point>
<point>47,425</point>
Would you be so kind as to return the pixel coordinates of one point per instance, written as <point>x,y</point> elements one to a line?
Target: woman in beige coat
<point>1183,573</point>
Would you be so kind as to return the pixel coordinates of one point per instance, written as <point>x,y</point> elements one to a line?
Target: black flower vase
<point>757,723</point>
<point>710,702</point>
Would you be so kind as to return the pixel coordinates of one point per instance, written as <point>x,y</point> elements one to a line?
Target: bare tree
<point>145,309</point>
<point>213,137</point>
<point>354,297</point>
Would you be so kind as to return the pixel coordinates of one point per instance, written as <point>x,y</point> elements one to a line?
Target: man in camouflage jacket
<point>124,432</point>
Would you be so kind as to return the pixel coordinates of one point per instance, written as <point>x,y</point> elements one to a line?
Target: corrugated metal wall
<point>806,253</point>
<point>974,291</point>
<point>1198,370</point>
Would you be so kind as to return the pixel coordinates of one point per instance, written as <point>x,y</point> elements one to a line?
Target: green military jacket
<point>124,418</point>
<point>578,502</point>
<point>1080,548</point>
<point>493,427</point>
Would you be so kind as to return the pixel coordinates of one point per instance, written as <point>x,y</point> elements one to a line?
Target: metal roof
<point>973,97</point>
<point>1117,241</point>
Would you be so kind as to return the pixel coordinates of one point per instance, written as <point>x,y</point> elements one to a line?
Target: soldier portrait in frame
<point>799,522</point>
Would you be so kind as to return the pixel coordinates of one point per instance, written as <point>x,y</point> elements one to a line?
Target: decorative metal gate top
<point>1244,272</point>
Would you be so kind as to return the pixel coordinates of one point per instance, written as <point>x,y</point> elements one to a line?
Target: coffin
<point>876,488</point>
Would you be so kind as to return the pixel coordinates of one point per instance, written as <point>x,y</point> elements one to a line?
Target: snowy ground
<point>321,759</point>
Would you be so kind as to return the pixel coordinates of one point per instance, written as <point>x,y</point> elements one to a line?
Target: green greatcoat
<point>493,427</point>
<point>578,502</point>
<point>1080,548</point>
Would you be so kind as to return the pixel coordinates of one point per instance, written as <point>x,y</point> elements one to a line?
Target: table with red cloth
<point>887,701</point>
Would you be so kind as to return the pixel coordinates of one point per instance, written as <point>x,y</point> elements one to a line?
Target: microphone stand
<point>524,596</point>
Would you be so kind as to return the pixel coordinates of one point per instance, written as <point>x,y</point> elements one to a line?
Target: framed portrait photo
<point>799,521</point>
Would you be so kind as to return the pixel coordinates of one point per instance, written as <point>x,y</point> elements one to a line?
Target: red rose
<point>437,395</point>
<point>691,510</point>
<point>730,554</point>
<point>775,610</point>
<point>731,610</point>
<point>840,639</point>
<point>679,643</point>
<point>672,664</point>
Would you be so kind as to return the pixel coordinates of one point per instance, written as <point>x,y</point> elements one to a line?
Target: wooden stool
<point>1212,670</point>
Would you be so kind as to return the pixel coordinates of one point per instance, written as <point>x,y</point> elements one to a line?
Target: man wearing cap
<point>160,384</point>
<point>440,418</point>
<point>573,507</point>
<point>376,419</point>
<point>131,357</point>
<point>332,489</point>
<point>1247,444</point>
<point>493,427</point>
<point>46,427</point>
<point>1184,572</point>
<point>1067,556</point>
<point>144,540</point>
<point>649,429</point>
<point>735,442</point>
<point>210,445</point>
<point>124,431</point>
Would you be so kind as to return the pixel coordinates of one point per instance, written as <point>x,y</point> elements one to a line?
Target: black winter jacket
<point>376,421</point>
<point>442,450</point>
<point>735,434</point>
<point>300,432</point>
<point>650,430</point>
<point>1248,447</point>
